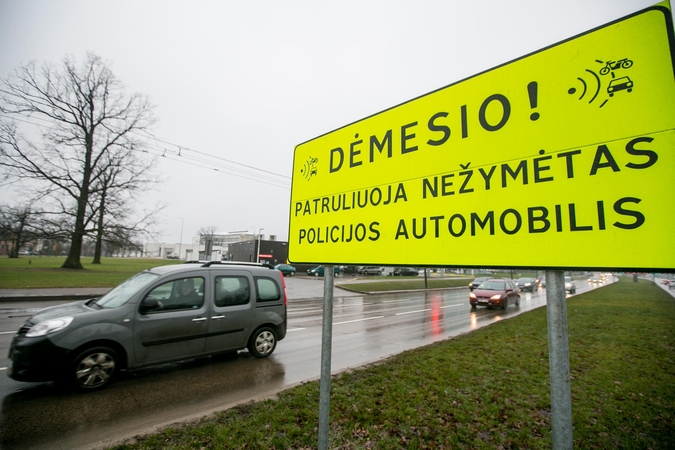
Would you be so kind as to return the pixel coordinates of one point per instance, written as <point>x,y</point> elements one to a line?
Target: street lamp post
<point>257,255</point>
<point>180,241</point>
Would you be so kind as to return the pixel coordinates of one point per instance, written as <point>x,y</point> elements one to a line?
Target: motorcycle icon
<point>624,63</point>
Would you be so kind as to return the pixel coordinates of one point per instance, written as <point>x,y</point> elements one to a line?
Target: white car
<point>570,285</point>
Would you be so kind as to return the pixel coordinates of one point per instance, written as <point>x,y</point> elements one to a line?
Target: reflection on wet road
<point>365,329</point>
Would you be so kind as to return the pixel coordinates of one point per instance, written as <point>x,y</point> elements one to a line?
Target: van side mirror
<point>149,304</point>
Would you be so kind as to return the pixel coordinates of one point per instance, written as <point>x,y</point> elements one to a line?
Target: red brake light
<point>283,283</point>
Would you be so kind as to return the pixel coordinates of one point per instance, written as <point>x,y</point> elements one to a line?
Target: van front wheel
<point>262,342</point>
<point>94,368</point>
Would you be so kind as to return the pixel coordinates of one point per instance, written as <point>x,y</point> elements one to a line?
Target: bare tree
<point>17,227</point>
<point>92,123</point>
<point>116,189</point>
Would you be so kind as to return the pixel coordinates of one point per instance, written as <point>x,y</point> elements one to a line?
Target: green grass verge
<point>45,272</point>
<point>488,389</point>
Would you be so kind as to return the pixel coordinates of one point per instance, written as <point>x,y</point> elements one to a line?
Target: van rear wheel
<point>262,342</point>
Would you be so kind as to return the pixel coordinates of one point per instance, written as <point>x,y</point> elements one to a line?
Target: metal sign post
<point>559,360</point>
<point>326,347</point>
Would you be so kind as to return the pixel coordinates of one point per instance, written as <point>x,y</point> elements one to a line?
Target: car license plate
<point>482,301</point>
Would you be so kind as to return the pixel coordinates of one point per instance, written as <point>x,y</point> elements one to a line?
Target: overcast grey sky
<point>248,81</point>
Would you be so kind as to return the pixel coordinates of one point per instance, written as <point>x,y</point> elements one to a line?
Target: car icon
<point>619,84</point>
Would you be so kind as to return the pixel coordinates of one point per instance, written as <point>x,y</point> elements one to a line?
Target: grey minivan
<point>168,313</point>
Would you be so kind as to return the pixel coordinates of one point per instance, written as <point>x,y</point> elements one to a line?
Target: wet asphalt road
<point>365,329</point>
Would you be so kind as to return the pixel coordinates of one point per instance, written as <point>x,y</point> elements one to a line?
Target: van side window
<point>232,290</point>
<point>186,293</point>
<point>268,290</point>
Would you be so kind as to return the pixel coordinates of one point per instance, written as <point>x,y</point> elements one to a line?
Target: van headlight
<point>49,326</point>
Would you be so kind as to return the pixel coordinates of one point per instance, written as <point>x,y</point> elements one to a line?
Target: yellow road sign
<point>564,158</point>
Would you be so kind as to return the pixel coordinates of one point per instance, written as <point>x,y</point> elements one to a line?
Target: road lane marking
<point>7,332</point>
<point>449,306</point>
<point>295,329</point>
<point>412,312</point>
<point>3,368</point>
<point>359,320</point>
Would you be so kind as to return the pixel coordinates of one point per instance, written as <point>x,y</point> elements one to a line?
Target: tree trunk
<point>99,232</point>
<point>73,259</point>
<point>18,236</point>
<point>14,253</point>
<point>15,247</point>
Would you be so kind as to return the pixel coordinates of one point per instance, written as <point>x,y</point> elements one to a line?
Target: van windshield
<point>123,292</point>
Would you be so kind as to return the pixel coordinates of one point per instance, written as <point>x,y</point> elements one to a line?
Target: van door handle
<point>218,317</point>
<point>199,319</point>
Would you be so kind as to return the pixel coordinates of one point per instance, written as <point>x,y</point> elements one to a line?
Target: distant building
<point>271,251</point>
<point>214,249</point>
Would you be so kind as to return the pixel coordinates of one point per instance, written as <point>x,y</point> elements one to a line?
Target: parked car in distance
<point>570,285</point>
<point>285,269</point>
<point>406,272</point>
<point>172,256</point>
<point>542,282</point>
<point>24,252</point>
<point>350,269</point>
<point>476,282</point>
<point>371,270</point>
<point>495,292</point>
<point>527,284</point>
<point>164,314</point>
<point>318,271</point>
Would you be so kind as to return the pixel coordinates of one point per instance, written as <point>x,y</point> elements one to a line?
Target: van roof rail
<point>229,263</point>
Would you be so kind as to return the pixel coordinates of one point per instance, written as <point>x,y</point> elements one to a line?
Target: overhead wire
<point>181,147</point>
<point>195,158</point>
<point>202,158</point>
